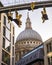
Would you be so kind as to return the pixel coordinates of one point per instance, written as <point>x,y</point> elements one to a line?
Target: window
<point>33,42</point>
<point>10,37</point>
<point>21,42</point>
<point>7,45</point>
<point>4,31</point>
<point>12,60</point>
<point>13,51</point>
<point>16,56</point>
<point>13,30</point>
<point>3,42</point>
<point>19,55</point>
<point>4,20</point>
<point>49,47</point>
<point>8,24</point>
<point>13,40</point>
<point>7,34</point>
<point>5,57</point>
<point>50,61</point>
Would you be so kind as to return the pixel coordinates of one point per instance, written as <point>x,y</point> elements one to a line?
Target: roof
<point>29,34</point>
<point>1,5</point>
<point>35,55</point>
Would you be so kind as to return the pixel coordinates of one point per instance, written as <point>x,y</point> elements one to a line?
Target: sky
<point>44,29</point>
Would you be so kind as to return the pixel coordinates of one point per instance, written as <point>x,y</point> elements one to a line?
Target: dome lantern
<point>28,22</point>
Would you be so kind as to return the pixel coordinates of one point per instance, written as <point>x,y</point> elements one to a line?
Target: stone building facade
<point>26,40</point>
<point>7,46</point>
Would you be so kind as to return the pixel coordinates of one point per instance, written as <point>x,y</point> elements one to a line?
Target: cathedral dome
<point>28,33</point>
<point>27,40</point>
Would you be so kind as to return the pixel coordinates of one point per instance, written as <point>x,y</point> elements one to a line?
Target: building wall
<point>7,45</point>
<point>24,46</point>
<point>48,52</point>
<point>1,40</point>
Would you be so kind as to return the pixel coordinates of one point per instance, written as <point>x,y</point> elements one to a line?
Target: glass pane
<point>13,30</point>
<point>12,61</point>
<point>7,45</point>
<point>13,40</point>
<point>5,57</point>
<point>48,61</point>
<point>49,47</point>
<point>4,20</point>
<point>13,51</point>
<point>3,42</point>
<point>0,26</point>
<point>8,24</point>
<point>7,34</point>
<point>4,31</point>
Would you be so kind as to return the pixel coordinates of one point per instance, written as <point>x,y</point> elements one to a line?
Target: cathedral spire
<point>28,22</point>
<point>27,14</point>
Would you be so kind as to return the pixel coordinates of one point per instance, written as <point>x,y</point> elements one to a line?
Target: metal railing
<point>26,6</point>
